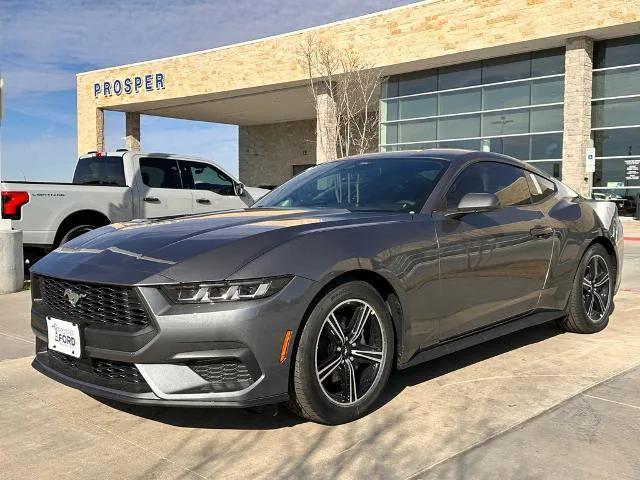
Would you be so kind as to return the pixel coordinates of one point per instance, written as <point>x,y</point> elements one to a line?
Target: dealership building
<point>541,80</point>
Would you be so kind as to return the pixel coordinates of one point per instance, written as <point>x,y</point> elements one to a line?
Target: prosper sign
<point>129,85</point>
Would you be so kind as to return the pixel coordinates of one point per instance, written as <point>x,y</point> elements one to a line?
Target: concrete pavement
<point>536,404</point>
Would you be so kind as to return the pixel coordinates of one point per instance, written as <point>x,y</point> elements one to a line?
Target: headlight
<point>226,291</point>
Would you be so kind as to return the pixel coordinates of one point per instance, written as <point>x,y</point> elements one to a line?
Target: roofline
<point>262,39</point>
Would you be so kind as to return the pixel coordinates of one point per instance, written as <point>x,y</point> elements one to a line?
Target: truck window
<point>160,173</point>
<point>100,171</point>
<point>202,176</point>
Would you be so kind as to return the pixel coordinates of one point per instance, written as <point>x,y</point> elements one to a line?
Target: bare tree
<point>345,93</point>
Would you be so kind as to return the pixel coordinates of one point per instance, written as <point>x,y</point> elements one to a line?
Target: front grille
<point>224,375</point>
<point>127,372</point>
<point>101,304</point>
<point>107,373</point>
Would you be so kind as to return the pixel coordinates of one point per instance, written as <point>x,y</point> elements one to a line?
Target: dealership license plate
<point>64,337</point>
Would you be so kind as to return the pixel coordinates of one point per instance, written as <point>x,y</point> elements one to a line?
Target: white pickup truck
<point>119,186</point>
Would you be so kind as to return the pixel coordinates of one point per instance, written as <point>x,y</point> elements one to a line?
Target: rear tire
<point>344,356</point>
<point>591,300</point>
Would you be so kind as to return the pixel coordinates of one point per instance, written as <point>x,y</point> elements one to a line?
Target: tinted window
<point>504,181</point>
<point>202,176</point>
<point>100,171</point>
<point>160,173</point>
<point>540,187</point>
<point>390,185</point>
<point>617,51</point>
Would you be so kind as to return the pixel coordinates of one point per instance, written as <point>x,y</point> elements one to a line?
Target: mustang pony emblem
<point>73,297</point>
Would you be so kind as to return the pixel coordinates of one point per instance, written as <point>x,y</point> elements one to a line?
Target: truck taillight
<point>12,203</point>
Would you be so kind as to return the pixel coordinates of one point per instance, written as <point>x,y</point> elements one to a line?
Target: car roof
<point>456,156</point>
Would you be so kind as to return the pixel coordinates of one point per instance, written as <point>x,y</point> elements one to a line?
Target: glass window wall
<point>511,105</point>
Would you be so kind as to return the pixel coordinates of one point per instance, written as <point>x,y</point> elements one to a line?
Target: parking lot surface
<point>536,404</point>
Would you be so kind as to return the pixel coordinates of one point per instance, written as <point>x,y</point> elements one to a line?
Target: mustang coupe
<point>317,292</point>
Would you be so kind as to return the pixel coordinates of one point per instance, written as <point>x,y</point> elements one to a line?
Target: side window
<point>505,181</point>
<point>202,176</point>
<point>160,173</point>
<point>540,187</point>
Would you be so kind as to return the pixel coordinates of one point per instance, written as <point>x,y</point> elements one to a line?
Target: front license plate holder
<point>64,337</point>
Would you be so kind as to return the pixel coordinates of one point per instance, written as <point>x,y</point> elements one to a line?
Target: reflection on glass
<point>547,90</point>
<point>614,113</point>
<point>616,83</point>
<point>416,131</point>
<point>546,146</point>
<point>459,127</point>
<point>516,147</point>
<point>503,69</point>
<point>504,123</point>
<point>505,96</point>
<point>459,76</point>
<point>460,101</point>
<point>546,119</point>
<point>547,62</point>
<point>617,172</point>
<point>551,168</point>
<point>417,82</point>
<point>616,52</point>
<point>617,142</point>
<point>464,144</point>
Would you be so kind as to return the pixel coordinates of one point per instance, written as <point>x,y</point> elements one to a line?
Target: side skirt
<point>483,335</point>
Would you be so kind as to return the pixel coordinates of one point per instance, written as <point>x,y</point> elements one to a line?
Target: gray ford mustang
<point>318,291</point>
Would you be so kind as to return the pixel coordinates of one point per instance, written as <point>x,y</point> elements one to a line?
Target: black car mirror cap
<point>240,189</point>
<point>475,203</point>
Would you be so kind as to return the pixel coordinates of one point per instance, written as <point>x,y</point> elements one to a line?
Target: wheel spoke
<point>586,284</point>
<point>603,280</point>
<point>595,268</point>
<point>590,309</point>
<point>334,325</point>
<point>371,355</point>
<point>361,321</point>
<point>328,369</point>
<point>600,301</point>
<point>349,382</point>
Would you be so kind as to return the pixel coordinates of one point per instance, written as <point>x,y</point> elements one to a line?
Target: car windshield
<point>375,184</point>
<point>100,171</point>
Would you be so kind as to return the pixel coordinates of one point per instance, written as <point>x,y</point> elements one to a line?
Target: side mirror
<point>475,203</point>
<point>239,189</point>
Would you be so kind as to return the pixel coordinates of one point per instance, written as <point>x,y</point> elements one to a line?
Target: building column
<point>132,131</point>
<point>90,130</point>
<point>326,134</point>
<point>577,113</point>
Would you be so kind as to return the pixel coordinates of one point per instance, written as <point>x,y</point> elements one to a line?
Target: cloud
<point>45,40</point>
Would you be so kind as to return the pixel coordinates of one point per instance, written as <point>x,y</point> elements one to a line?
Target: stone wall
<point>267,153</point>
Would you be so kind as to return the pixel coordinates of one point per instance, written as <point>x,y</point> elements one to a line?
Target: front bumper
<point>225,354</point>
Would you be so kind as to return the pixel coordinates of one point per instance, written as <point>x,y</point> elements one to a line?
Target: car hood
<point>193,248</point>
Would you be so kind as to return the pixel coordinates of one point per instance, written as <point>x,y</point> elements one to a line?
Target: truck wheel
<point>76,232</point>
<point>344,356</point>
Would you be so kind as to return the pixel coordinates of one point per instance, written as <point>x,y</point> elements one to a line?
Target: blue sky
<point>44,43</point>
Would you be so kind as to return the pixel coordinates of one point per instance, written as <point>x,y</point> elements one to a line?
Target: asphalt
<point>536,404</point>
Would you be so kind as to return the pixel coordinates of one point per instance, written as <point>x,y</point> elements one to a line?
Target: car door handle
<point>204,201</point>
<point>151,199</point>
<point>541,232</point>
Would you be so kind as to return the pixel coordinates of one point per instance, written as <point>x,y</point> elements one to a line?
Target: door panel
<point>493,264</point>
<point>492,268</point>
<point>161,192</point>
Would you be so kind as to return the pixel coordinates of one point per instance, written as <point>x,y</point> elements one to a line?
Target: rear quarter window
<point>540,187</point>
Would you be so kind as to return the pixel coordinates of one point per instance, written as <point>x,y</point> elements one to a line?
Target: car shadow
<point>274,417</point>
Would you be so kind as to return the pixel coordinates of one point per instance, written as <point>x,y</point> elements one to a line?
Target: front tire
<point>344,356</point>
<point>591,300</point>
